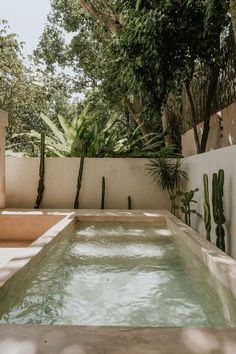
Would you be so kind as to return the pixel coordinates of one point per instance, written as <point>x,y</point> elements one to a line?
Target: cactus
<point>79,180</point>
<point>218,208</point>
<point>103,193</point>
<point>186,202</point>
<point>129,203</point>
<point>41,172</point>
<point>207,209</point>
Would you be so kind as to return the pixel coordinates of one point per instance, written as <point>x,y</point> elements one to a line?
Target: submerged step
<point>124,249</point>
<point>121,229</point>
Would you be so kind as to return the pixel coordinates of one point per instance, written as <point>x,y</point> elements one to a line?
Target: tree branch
<point>113,25</point>
<point>115,15</point>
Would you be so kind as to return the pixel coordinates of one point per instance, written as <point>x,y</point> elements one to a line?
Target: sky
<point>26,18</point>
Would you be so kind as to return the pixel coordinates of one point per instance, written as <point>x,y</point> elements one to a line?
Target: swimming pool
<point>120,274</point>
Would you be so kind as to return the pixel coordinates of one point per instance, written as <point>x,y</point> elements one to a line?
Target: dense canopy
<point>132,60</point>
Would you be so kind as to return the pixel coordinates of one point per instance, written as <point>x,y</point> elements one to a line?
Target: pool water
<point>116,274</point>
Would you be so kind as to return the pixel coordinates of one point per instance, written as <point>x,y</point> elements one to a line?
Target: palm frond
<point>166,171</point>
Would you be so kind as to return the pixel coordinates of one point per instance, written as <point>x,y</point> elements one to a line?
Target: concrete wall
<point>25,227</point>
<point>3,124</point>
<point>123,177</point>
<point>217,138</point>
<point>208,163</point>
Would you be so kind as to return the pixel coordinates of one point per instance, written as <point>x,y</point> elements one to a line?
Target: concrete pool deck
<point>38,339</point>
<point>44,339</point>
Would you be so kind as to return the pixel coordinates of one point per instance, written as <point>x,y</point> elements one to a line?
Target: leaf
<point>172,197</point>
<point>64,124</point>
<point>54,128</point>
<point>138,2</point>
<point>190,195</point>
<point>110,122</point>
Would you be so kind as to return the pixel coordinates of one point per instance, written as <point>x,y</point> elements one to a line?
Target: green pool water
<point>117,274</point>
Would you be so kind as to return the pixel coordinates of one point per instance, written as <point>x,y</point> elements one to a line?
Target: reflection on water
<point>113,274</point>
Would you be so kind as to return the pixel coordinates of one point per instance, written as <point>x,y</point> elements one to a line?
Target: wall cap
<point>3,118</point>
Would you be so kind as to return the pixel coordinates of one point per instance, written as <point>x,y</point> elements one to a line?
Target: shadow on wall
<point>222,132</point>
<point>228,223</point>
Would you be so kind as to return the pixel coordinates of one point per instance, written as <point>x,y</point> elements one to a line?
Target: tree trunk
<point>214,75</point>
<point>233,16</point>
<point>171,124</point>
<point>135,112</point>
<point>165,125</point>
<point>193,118</point>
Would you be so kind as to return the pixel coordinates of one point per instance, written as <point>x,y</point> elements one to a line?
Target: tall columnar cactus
<point>207,209</point>
<point>103,193</point>
<point>41,172</point>
<point>129,203</point>
<point>79,179</point>
<point>218,208</point>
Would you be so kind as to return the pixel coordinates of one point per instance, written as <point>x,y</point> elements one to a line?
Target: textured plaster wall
<point>208,163</point>
<point>123,177</point>
<point>218,138</point>
<point>25,227</point>
<point>3,124</point>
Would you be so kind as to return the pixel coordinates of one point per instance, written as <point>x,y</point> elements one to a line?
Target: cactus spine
<point>41,172</point>
<point>103,193</point>
<point>218,208</point>
<point>207,210</point>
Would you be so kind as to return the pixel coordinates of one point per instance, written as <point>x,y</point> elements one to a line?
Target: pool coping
<point>117,340</point>
<point>222,266</point>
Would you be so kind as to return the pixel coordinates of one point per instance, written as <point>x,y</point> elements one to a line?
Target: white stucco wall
<point>217,138</point>
<point>123,177</point>
<point>208,163</point>
<point>3,124</point>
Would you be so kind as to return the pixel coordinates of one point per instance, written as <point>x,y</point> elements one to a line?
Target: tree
<point>94,49</point>
<point>139,52</point>
<point>27,90</point>
<point>171,40</point>
<point>233,16</point>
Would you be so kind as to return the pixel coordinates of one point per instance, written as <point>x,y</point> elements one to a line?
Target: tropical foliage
<point>27,90</point>
<point>134,60</point>
<point>186,201</point>
<point>137,53</point>
<point>167,173</point>
<point>81,135</point>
